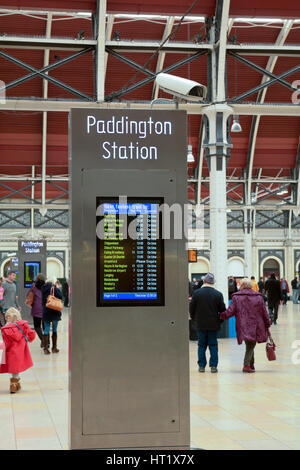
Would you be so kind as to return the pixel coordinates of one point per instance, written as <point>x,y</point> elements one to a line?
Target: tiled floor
<point>229,410</point>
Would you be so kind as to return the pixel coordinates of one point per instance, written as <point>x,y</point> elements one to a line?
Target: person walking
<point>254,284</point>
<point>2,316</point>
<point>252,320</point>
<point>16,335</point>
<point>261,285</point>
<point>65,293</point>
<point>273,290</point>
<point>37,307</point>
<point>294,285</point>
<point>232,286</point>
<point>50,316</point>
<point>206,305</point>
<point>10,298</point>
<point>284,290</point>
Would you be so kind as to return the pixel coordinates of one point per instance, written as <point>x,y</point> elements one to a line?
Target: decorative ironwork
<point>270,219</point>
<point>235,219</point>
<point>15,218</point>
<point>52,219</point>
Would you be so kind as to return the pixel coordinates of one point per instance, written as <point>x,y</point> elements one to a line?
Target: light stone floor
<point>229,410</point>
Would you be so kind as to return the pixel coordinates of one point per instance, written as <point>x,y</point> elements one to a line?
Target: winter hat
<point>209,279</point>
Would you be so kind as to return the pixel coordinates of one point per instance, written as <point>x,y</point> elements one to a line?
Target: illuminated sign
<point>31,270</point>
<point>192,256</point>
<point>32,246</point>
<point>130,252</point>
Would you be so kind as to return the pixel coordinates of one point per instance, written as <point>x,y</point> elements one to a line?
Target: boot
<point>54,342</point>
<point>248,369</point>
<point>14,385</point>
<point>252,366</point>
<point>46,344</point>
<point>18,384</point>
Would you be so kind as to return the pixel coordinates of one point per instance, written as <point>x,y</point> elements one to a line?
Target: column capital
<point>213,109</point>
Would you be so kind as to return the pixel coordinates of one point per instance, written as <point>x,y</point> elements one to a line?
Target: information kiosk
<point>129,314</point>
<point>32,261</point>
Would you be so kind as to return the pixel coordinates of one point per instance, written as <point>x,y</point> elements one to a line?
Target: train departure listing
<point>130,264</point>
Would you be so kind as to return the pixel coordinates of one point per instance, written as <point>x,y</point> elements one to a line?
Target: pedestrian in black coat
<point>206,305</point>
<point>273,291</point>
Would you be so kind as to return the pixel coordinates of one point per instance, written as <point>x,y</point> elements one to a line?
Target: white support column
<point>100,51</point>
<point>45,96</point>
<point>108,33</point>
<point>248,243</point>
<point>217,118</point>
<point>162,55</point>
<point>32,197</point>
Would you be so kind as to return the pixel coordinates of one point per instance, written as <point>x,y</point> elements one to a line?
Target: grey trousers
<point>249,354</point>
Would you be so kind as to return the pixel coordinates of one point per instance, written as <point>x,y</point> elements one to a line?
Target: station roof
<point>268,147</point>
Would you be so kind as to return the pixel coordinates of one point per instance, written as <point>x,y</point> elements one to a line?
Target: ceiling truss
<point>102,45</point>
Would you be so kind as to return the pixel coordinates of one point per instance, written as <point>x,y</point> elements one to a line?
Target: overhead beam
<point>247,109</point>
<point>152,46</point>
<point>17,42</point>
<point>290,50</point>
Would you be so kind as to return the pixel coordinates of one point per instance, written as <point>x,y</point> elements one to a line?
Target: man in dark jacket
<point>273,291</point>
<point>294,284</point>
<point>206,305</point>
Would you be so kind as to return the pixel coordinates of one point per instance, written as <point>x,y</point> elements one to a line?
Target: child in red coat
<point>16,334</point>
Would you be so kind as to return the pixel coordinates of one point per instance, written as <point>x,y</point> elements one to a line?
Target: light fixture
<point>236,127</point>
<point>190,157</point>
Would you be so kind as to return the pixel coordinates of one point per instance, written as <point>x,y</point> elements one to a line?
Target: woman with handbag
<point>34,301</point>
<point>252,320</point>
<point>52,308</point>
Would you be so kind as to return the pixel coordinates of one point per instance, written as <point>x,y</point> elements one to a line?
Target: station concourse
<point>93,143</point>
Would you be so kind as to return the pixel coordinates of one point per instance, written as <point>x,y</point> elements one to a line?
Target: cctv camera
<point>181,87</point>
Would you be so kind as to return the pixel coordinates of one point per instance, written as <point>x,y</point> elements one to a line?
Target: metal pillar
<point>217,147</point>
<point>248,242</point>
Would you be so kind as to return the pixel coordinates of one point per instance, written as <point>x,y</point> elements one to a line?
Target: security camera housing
<point>181,87</point>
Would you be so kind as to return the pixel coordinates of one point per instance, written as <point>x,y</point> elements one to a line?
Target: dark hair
<point>252,277</point>
<point>39,281</point>
<point>273,276</point>
<point>11,272</point>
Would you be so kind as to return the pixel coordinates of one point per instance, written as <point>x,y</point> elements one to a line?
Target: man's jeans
<point>295,296</point>
<point>207,338</point>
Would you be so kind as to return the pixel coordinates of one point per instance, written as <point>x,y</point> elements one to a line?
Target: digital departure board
<point>31,270</point>
<point>130,252</point>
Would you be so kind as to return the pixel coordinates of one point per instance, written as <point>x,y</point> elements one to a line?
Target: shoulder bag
<point>29,299</point>
<point>53,302</point>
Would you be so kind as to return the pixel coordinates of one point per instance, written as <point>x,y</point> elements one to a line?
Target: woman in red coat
<point>16,334</point>
<point>252,320</point>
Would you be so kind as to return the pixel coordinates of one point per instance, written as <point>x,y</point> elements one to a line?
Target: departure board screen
<point>130,252</point>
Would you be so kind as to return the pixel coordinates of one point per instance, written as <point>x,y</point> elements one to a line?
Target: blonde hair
<point>13,314</point>
<point>246,283</point>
